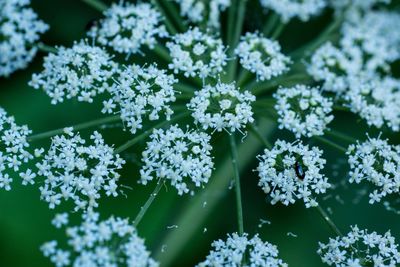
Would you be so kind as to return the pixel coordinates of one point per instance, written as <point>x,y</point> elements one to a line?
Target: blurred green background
<point>210,214</point>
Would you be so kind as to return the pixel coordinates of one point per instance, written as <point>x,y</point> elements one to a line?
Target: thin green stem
<point>170,26</point>
<point>262,87</point>
<point>254,130</point>
<point>46,48</point>
<point>175,15</point>
<point>162,52</point>
<point>76,127</point>
<point>331,143</point>
<point>96,4</point>
<point>328,220</point>
<point>185,88</point>
<point>341,136</point>
<point>278,30</point>
<point>146,205</point>
<point>239,208</point>
<point>270,24</point>
<point>147,133</point>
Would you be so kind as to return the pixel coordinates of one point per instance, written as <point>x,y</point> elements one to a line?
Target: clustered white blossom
<point>197,54</point>
<point>142,91</point>
<point>303,110</point>
<point>222,107</point>
<point>358,4</point>
<point>198,11</point>
<point>13,149</point>
<point>360,248</point>
<point>127,27</point>
<point>112,242</point>
<point>237,247</point>
<point>82,71</point>
<point>289,172</point>
<point>181,157</point>
<point>377,162</point>
<point>20,29</point>
<point>301,9</point>
<point>261,56</point>
<point>78,171</point>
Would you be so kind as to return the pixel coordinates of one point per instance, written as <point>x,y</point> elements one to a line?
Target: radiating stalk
<point>239,209</point>
<point>146,205</point>
<point>278,30</point>
<point>328,220</point>
<point>76,127</point>
<point>254,130</point>
<point>46,48</point>
<point>331,143</point>
<point>96,4</point>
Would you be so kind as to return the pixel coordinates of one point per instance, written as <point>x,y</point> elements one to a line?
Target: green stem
<point>162,52</point>
<point>171,28</point>
<point>175,15</point>
<point>146,205</point>
<point>262,87</point>
<point>46,48</point>
<point>332,144</point>
<point>76,127</point>
<point>254,130</point>
<point>185,88</point>
<point>271,22</point>
<point>147,133</point>
<point>96,4</point>
<point>278,30</point>
<point>239,208</point>
<point>341,136</point>
<point>328,220</point>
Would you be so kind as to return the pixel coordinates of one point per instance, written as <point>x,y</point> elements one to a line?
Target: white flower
<point>375,100</point>
<point>60,219</point>
<point>302,9</point>
<point>377,162</point>
<point>303,110</point>
<point>143,92</point>
<point>360,248</point>
<point>112,242</point>
<point>292,171</point>
<point>182,158</point>
<point>127,27</point>
<point>198,11</point>
<point>261,56</point>
<point>197,54</point>
<point>19,31</point>
<point>77,171</point>
<point>233,251</point>
<point>222,106</point>
<point>82,71</point>
<point>13,151</point>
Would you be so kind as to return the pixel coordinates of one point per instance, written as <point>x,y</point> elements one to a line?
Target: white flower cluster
<point>301,9</point>
<point>78,171</point>
<point>233,251</point>
<point>292,171</point>
<point>83,71</point>
<point>360,248</point>
<point>112,242</point>
<point>339,5</point>
<point>142,91</point>
<point>376,100</point>
<point>127,27</point>
<point>377,162</point>
<point>197,54</point>
<point>222,107</point>
<point>261,56</point>
<point>13,145</point>
<point>179,157</point>
<point>198,11</point>
<point>19,30</point>
<point>303,110</point>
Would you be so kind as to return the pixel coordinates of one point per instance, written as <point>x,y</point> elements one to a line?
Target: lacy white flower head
<point>360,248</point>
<point>332,66</point>
<point>375,35</point>
<point>197,54</point>
<point>112,242</point>
<point>222,107</point>
<point>233,251</point>
<point>198,11</point>
<point>339,5</point>
<point>303,110</point>
<point>290,172</point>
<point>261,56</point>
<point>78,171</point>
<point>377,162</point>
<point>301,9</point>
<point>82,71</point>
<point>127,27</point>
<point>13,153</point>
<point>181,157</point>
<point>375,100</point>
<point>19,31</point>
<point>143,91</point>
